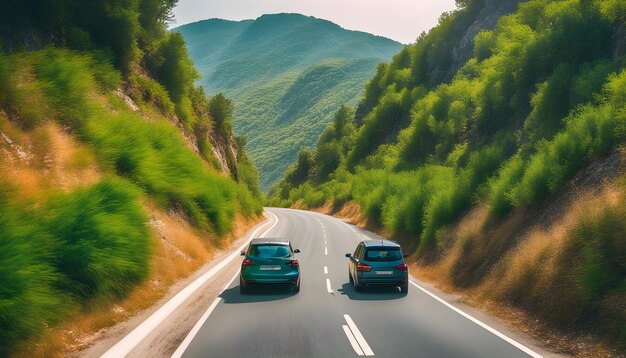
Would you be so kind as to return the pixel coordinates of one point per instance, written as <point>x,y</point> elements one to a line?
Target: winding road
<point>328,318</point>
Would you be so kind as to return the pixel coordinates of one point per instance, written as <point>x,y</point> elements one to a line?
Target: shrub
<point>502,183</point>
<point>20,97</point>
<point>28,296</point>
<point>67,82</point>
<point>154,156</point>
<point>590,133</point>
<point>601,242</point>
<point>146,89</point>
<point>103,240</point>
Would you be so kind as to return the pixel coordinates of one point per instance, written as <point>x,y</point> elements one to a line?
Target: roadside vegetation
<point>67,248</point>
<point>541,97</point>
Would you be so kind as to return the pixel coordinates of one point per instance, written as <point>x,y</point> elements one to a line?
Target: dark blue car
<point>378,262</point>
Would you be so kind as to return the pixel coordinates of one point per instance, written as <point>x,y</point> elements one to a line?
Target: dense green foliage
<point>89,244</point>
<point>514,124</point>
<point>61,251</point>
<point>542,95</point>
<point>286,75</point>
<point>128,34</point>
<point>94,242</point>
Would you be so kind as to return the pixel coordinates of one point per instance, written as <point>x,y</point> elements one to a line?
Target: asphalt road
<point>328,318</point>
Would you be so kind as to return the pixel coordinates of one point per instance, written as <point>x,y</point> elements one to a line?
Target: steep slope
<point>118,176</point>
<point>286,74</point>
<point>540,97</point>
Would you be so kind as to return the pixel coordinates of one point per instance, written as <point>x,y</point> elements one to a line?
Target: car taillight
<point>402,267</point>
<point>362,267</point>
<point>292,263</point>
<point>247,262</point>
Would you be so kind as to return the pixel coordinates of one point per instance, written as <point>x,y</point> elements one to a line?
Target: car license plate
<point>384,272</point>
<point>269,267</point>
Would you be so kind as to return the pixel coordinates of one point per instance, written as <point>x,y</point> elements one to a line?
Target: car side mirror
<point>243,253</point>
<point>405,255</point>
<point>349,256</point>
<point>296,251</point>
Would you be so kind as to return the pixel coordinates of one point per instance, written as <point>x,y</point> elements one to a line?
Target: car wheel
<point>350,277</point>
<point>404,288</point>
<point>296,287</point>
<point>242,287</point>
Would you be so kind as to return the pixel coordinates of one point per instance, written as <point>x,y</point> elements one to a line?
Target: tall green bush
<point>103,240</point>
<point>28,296</point>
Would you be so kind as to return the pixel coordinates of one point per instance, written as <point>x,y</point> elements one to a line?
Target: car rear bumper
<point>382,283</point>
<point>290,278</point>
<point>372,281</point>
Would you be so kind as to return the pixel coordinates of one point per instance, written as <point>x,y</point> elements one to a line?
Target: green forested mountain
<point>102,129</point>
<point>541,95</point>
<point>286,74</point>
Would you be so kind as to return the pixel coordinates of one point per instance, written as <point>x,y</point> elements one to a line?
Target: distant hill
<point>286,75</point>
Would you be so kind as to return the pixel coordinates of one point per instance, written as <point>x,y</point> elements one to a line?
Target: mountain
<point>118,175</point>
<point>493,149</point>
<point>286,74</point>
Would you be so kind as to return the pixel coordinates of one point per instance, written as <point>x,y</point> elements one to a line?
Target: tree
<point>176,72</point>
<point>303,170</point>
<point>221,109</point>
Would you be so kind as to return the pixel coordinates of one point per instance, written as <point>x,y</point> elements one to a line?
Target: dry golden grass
<point>529,274</point>
<point>74,165</point>
<point>539,254</point>
<point>46,158</point>
<point>29,104</point>
<point>327,208</point>
<point>180,249</point>
<point>352,212</point>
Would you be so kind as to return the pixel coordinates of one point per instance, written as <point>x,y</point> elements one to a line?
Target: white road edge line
<point>511,341</point>
<point>131,340</point>
<point>192,334</point>
<point>352,340</point>
<point>194,331</point>
<point>326,270</point>
<point>328,286</point>
<point>359,337</point>
<point>502,336</point>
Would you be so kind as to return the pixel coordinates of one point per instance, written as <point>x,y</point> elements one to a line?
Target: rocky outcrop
<point>225,151</point>
<point>486,19</point>
<point>24,39</point>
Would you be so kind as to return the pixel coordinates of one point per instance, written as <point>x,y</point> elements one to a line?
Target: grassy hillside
<point>99,132</point>
<point>286,74</point>
<point>542,96</point>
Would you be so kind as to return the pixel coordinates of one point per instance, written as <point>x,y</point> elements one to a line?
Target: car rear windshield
<point>382,254</point>
<point>269,250</point>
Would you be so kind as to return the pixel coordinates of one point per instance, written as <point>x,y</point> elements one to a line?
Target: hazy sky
<point>401,20</point>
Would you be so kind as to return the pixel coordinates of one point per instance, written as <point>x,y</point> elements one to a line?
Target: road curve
<point>328,318</point>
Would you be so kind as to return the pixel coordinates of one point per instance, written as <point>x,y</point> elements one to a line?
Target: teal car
<point>269,262</point>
